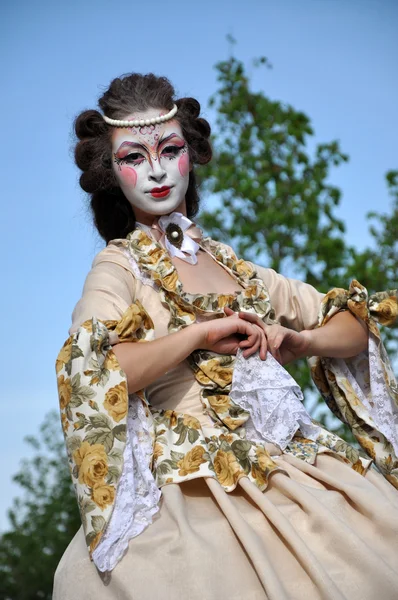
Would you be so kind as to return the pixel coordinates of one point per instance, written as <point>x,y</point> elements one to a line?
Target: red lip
<point>161,192</point>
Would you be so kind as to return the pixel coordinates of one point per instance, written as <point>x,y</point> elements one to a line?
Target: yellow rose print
<point>145,240</point>
<point>335,293</point>
<point>191,422</point>
<point>170,414</point>
<point>258,475</point>
<point>319,378</point>
<point>157,451</point>
<point>191,461</point>
<point>167,264</point>
<point>227,438</point>
<point>225,300</point>
<point>88,325</point>
<point>359,468</point>
<point>170,281</point>
<point>243,268</point>
<point>95,541</point>
<point>147,322</point>
<point>111,363</point>
<point>250,291</point>
<point>201,377</point>
<point>92,462</point>
<point>130,321</point>
<point>368,446</point>
<point>64,391</point>
<point>217,373</point>
<point>154,255</point>
<point>182,312</point>
<point>103,495</point>
<point>64,355</point>
<point>360,309</point>
<point>234,423</point>
<point>116,401</point>
<point>220,402</point>
<point>64,422</point>
<point>264,460</point>
<point>387,311</point>
<point>227,468</point>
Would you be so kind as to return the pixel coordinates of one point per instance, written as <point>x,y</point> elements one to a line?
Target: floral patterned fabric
<point>94,399</point>
<point>94,404</point>
<point>348,387</point>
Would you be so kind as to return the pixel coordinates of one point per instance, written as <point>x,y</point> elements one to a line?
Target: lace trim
<point>137,496</point>
<point>373,393</point>
<point>145,278</point>
<point>273,399</point>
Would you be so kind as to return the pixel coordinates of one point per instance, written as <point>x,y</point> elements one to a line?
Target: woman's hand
<point>224,336</point>
<point>284,344</point>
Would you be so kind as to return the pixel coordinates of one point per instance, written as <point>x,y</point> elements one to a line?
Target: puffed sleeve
<point>108,290</point>
<point>296,304</point>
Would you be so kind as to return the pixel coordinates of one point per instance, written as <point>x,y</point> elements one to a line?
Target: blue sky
<point>334,59</point>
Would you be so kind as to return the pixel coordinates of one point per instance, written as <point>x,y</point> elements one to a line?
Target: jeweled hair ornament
<point>142,122</point>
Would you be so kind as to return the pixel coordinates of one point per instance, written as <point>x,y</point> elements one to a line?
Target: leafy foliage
<point>377,267</point>
<point>276,207</point>
<point>274,204</point>
<point>43,520</point>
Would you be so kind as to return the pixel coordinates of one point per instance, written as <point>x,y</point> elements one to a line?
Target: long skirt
<point>323,532</point>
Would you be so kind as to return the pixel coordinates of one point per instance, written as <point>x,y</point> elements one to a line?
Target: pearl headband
<point>142,123</point>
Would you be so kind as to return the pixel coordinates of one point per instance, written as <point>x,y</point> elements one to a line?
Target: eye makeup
<point>135,158</point>
<point>124,154</point>
<point>171,152</point>
<point>152,168</point>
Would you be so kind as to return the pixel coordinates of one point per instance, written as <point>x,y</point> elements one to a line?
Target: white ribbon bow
<point>189,247</point>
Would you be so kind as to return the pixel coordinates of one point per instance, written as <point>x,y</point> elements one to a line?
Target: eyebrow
<point>138,145</point>
<point>130,145</point>
<point>169,137</point>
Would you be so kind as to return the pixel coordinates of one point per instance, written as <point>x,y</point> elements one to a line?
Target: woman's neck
<point>149,219</point>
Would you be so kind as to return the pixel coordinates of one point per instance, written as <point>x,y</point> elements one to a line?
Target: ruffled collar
<point>154,260</point>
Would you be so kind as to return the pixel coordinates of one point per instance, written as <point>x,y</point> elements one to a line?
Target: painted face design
<point>151,165</point>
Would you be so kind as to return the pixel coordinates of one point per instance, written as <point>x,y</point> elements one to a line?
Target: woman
<point>198,472</point>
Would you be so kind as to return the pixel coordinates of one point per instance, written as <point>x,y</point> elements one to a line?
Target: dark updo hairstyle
<point>112,213</point>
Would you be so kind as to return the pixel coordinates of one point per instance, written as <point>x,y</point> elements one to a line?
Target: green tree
<point>43,520</point>
<point>377,267</point>
<point>275,205</point>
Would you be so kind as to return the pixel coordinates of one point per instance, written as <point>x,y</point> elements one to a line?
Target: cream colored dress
<point>318,531</point>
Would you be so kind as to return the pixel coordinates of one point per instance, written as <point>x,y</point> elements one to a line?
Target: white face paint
<point>151,165</point>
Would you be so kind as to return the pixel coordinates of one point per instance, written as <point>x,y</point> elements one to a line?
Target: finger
<point>263,342</point>
<point>263,347</point>
<point>250,351</point>
<point>254,336</point>
<point>243,326</point>
<point>228,311</point>
<point>254,340</point>
<point>257,334</point>
<point>255,319</point>
<point>251,333</point>
<point>275,344</point>
<point>244,344</point>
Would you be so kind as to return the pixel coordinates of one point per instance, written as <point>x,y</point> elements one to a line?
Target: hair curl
<point>112,213</point>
